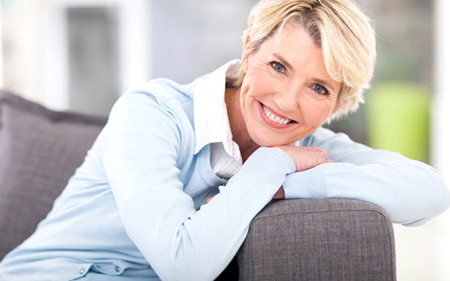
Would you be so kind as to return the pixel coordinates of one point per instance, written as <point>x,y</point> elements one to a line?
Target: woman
<point>173,181</point>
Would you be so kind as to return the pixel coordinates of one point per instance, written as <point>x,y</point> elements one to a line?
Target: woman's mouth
<point>273,117</point>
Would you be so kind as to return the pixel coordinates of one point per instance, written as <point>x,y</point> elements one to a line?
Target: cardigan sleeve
<point>411,192</point>
<point>146,144</point>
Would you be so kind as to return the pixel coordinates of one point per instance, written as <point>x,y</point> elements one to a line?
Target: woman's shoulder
<point>160,94</point>
<point>163,90</point>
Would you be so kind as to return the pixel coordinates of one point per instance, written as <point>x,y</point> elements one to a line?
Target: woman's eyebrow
<point>326,84</point>
<point>282,60</point>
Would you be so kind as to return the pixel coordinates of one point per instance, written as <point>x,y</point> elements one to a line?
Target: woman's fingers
<point>306,157</point>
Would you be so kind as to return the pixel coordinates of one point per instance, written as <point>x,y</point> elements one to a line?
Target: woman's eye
<point>278,67</point>
<point>320,89</point>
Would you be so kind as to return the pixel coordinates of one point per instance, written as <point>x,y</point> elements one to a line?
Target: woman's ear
<point>247,43</point>
<point>245,53</point>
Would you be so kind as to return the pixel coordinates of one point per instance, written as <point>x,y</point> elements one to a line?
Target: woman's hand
<point>279,195</point>
<point>305,157</point>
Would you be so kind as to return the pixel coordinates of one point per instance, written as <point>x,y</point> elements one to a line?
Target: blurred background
<point>83,54</point>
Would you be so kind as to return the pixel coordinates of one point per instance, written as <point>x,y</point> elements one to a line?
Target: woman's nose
<point>287,102</point>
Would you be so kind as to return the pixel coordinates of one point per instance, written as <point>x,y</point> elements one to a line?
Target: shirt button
<point>117,268</point>
<point>82,271</point>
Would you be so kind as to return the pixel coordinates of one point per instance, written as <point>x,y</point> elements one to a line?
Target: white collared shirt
<point>211,120</point>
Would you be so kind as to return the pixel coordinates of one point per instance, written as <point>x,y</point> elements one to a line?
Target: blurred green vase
<point>398,117</point>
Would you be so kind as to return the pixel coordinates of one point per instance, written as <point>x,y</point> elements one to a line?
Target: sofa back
<point>39,151</point>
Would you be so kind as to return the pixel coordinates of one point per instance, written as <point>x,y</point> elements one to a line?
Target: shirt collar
<point>210,111</point>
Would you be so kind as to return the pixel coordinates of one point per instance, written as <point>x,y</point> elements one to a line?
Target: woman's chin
<point>269,142</point>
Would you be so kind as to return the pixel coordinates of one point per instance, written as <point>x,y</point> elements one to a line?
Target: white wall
<point>441,109</point>
<point>21,62</point>
<point>1,47</point>
<point>134,33</point>
<point>423,253</point>
<point>36,53</point>
<point>174,39</point>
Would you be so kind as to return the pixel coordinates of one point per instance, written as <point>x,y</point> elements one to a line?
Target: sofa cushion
<point>39,151</point>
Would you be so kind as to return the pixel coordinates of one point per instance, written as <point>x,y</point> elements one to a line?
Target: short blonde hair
<point>338,26</point>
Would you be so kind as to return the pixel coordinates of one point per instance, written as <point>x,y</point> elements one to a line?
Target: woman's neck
<point>237,124</point>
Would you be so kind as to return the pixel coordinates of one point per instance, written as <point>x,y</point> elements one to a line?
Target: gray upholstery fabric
<point>332,239</point>
<point>39,150</point>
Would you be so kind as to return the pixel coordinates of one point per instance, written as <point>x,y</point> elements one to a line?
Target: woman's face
<point>287,92</point>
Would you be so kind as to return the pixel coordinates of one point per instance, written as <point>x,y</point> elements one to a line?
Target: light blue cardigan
<point>135,208</point>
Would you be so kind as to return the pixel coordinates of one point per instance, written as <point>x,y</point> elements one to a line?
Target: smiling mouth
<point>275,118</point>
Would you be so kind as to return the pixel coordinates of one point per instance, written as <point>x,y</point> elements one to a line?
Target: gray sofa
<point>331,239</point>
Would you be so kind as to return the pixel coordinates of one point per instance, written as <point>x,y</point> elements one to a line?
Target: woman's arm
<point>410,191</point>
<point>147,142</point>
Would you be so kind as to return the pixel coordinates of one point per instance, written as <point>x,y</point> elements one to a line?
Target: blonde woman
<point>172,183</point>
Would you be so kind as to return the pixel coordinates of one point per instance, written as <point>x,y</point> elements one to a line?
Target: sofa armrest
<point>319,239</point>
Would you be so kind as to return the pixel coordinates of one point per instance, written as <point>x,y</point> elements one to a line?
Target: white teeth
<point>276,119</point>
